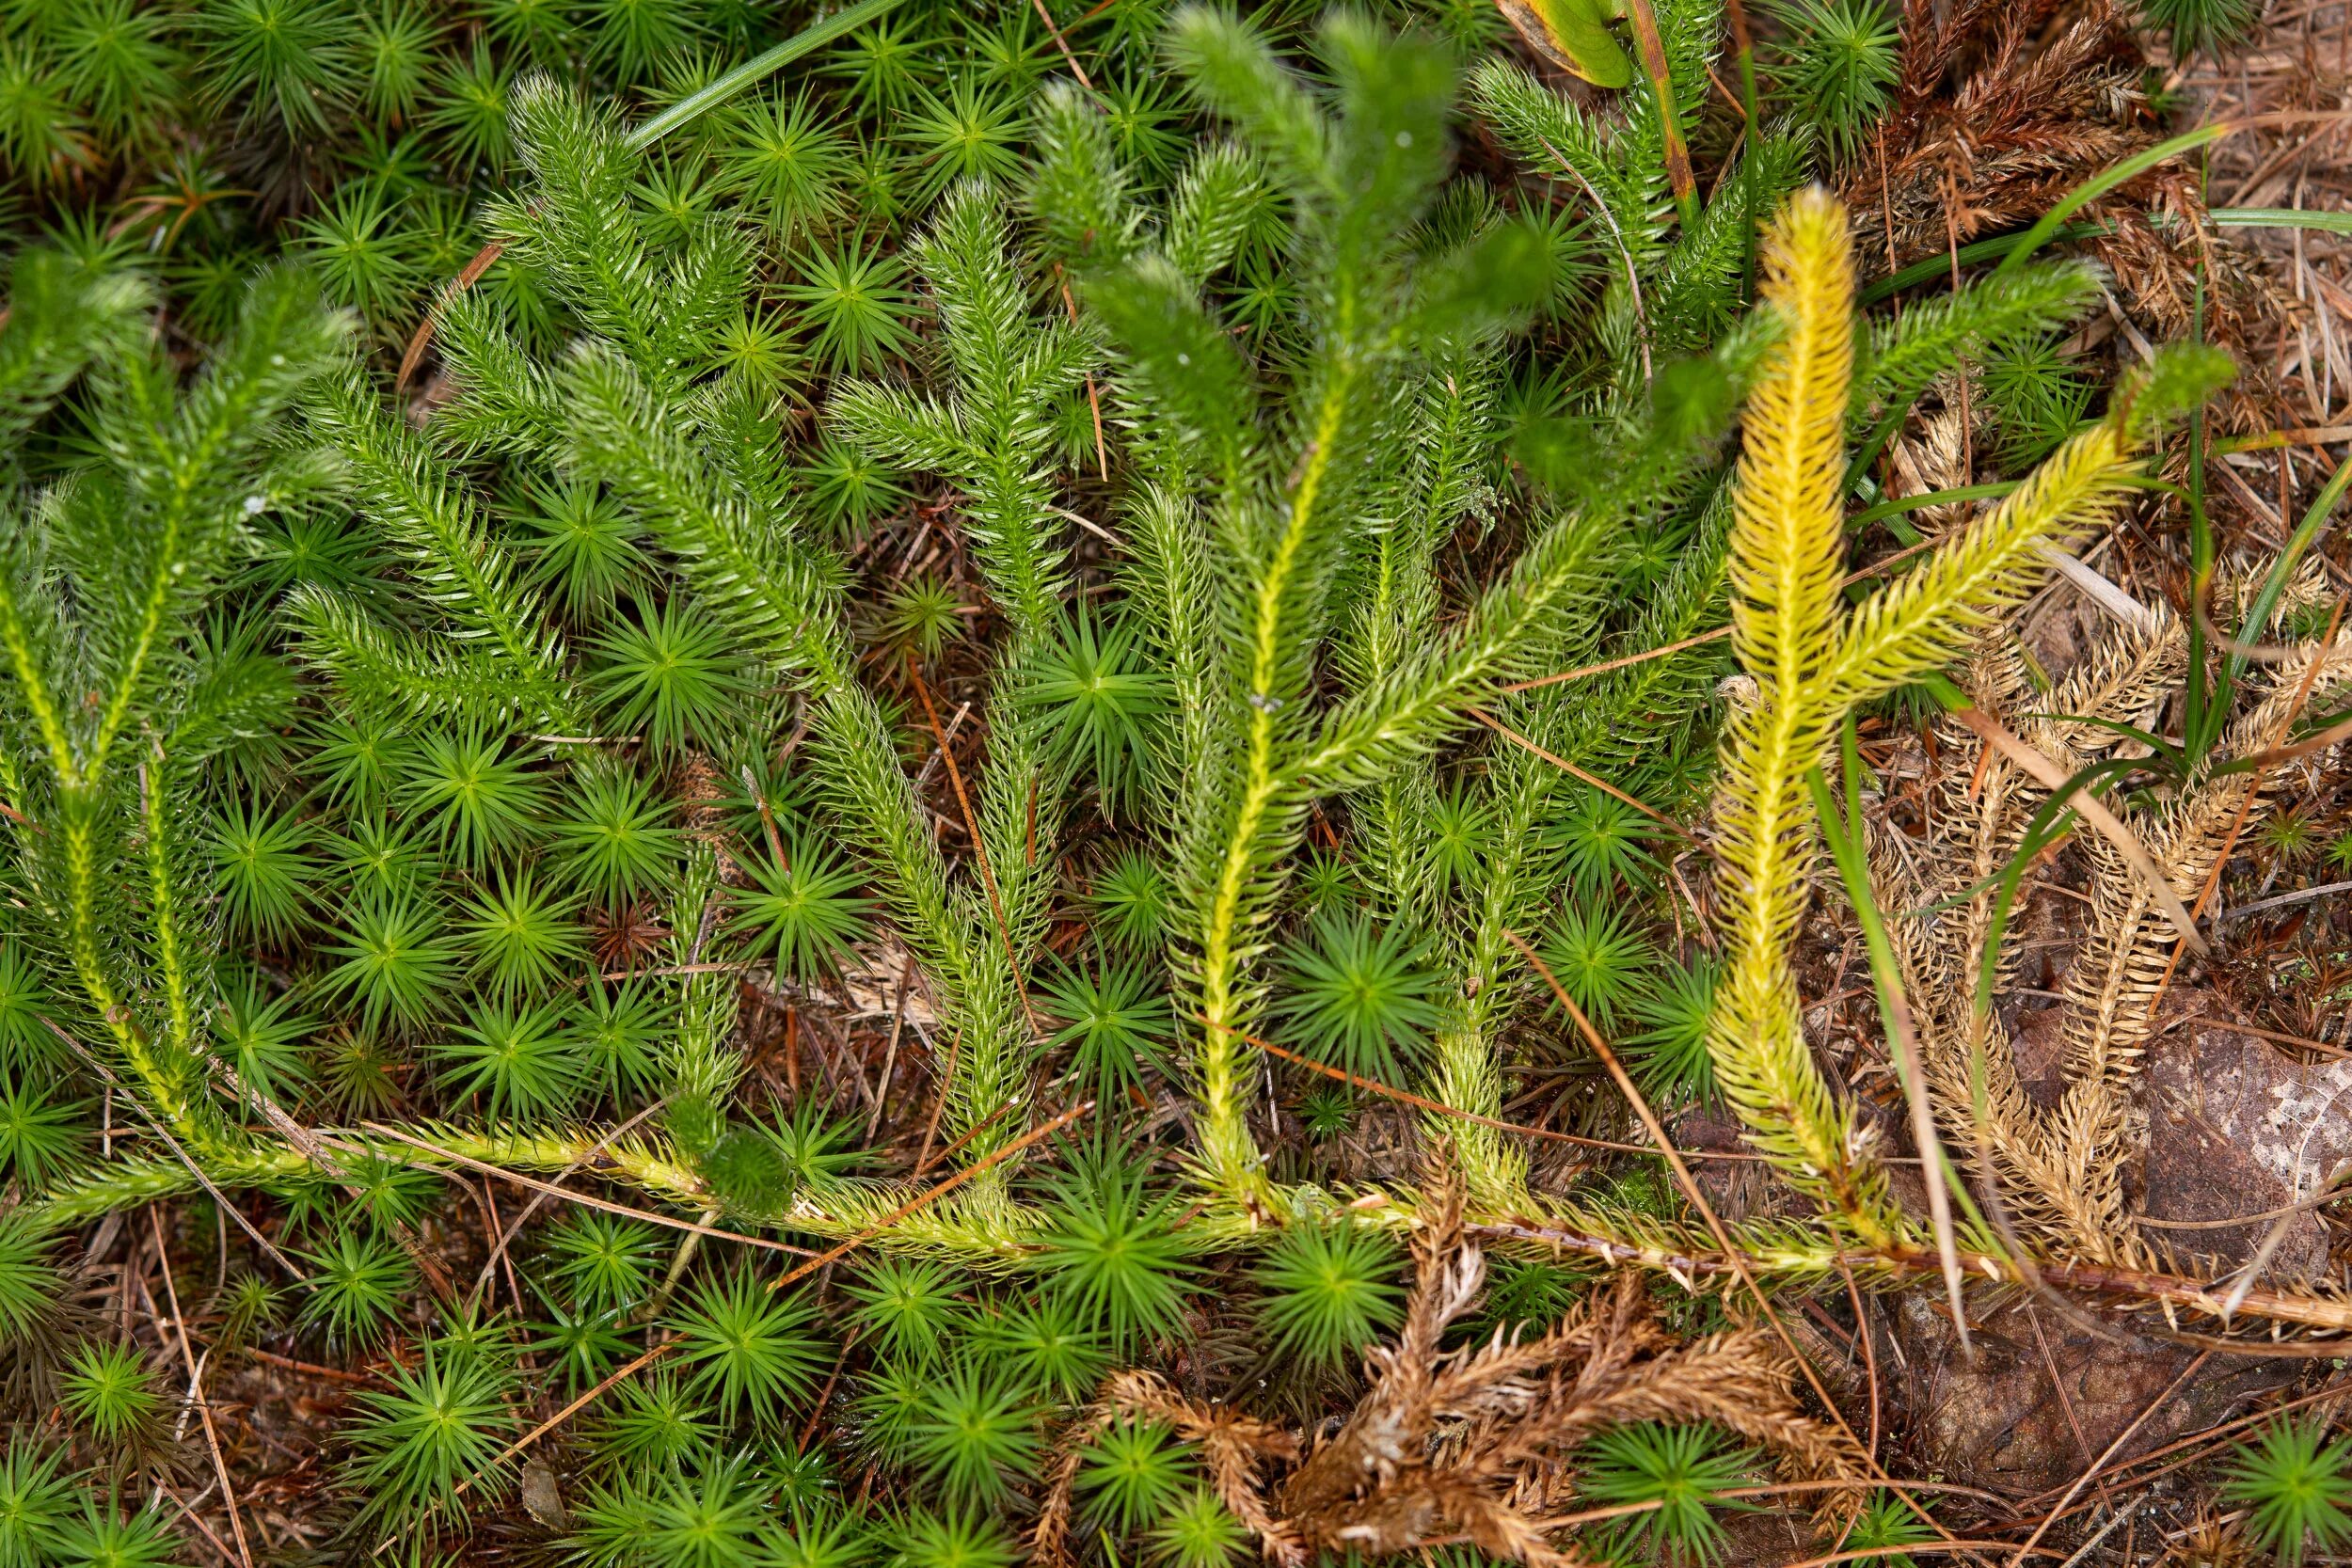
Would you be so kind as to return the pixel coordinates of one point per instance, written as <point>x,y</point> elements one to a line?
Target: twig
<point>1876,568</point>
<point>2121,1438</point>
<point>311,1369</point>
<point>980,846</point>
<point>2261,765</point>
<point>1602,784</point>
<point>532,1208</point>
<point>2341,730</point>
<point>1063,44</point>
<point>1869,1352</point>
<point>650,1357</point>
<point>890,1055</point>
<point>939,1103</point>
<point>1931,1548</point>
<point>2058,1383</point>
<point>1407,1096</point>
<point>2100,1280</point>
<point>196,1392</point>
<point>1632,276</point>
<point>965,1137</point>
<point>2277,902</point>
<point>2053,777</point>
<point>1582,671</point>
<point>202,1180</point>
<point>1697,1196</point>
<point>1035,1135</point>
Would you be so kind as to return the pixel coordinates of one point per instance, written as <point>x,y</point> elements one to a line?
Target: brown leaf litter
<point>1474,1443</point>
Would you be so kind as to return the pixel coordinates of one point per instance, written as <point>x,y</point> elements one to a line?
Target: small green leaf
<point>1572,35</point>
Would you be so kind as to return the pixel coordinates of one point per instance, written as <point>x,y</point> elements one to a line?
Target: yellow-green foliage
<point>1812,662</point>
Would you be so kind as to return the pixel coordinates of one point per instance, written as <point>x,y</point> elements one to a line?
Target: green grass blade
<point>2279,217</point>
<point>1902,1042</point>
<point>2100,184</point>
<point>2306,534</point>
<point>696,104</point>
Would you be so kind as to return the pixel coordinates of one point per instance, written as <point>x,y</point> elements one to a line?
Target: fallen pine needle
<point>1438,1107</point>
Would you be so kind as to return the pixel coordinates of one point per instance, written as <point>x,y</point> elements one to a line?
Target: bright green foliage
<point>785,164</point>
<point>41,1140</point>
<point>399,965</point>
<point>35,1504</point>
<point>287,59</point>
<point>1526,1296</point>
<point>805,909</point>
<point>1201,1532</point>
<point>469,111</point>
<point>812,1147</point>
<point>1104,705</point>
<point>848,489</point>
<point>967,132</point>
<point>922,616</point>
<point>354,250</point>
<point>2199,25</point>
<point>858,301</point>
<point>616,839</point>
<point>513,1059</point>
<point>1682,1469</point>
<point>1357,997</point>
<point>669,679</point>
<point>478,795</point>
<point>1052,1344</point>
<point>618,1028</point>
<point>358,1289</point>
<point>604,1262</point>
<point>1669,1056</point>
<point>1110,1249</point>
<point>1132,1474</point>
<point>1843,61</point>
<point>579,1348</point>
<point>655,1422</point>
<point>707,1521</point>
<point>584,546</point>
<point>974,1434</point>
<point>521,938</point>
<point>107,1390</point>
<point>1199,452</point>
<point>757,1354</point>
<point>2037,398</point>
<point>2295,1487</point>
<point>1598,961</point>
<point>1132,901</point>
<point>908,1308</point>
<point>263,872</point>
<point>442,1422</point>
<point>1115,1022</point>
<point>1326,1110</point>
<point>24,1040</point>
<point>1461,831</point>
<point>1603,845</point>
<point>953,1540</point>
<point>358,757</point>
<point>105,1536</point>
<point>1887,1522</point>
<point>894,1397</point>
<point>1328,1291</point>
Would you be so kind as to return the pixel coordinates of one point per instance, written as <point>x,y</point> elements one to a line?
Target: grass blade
<point>1844,836</point>
<point>697,103</point>
<point>2100,183</point>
